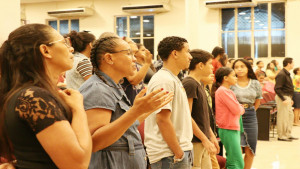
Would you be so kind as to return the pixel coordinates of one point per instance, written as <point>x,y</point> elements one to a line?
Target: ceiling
<point>38,1</point>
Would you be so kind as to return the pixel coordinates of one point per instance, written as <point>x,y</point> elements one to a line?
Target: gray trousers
<point>285,117</point>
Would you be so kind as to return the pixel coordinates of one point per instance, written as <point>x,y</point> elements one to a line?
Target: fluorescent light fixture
<point>146,20</point>
<point>242,13</point>
<point>133,17</point>
<point>138,33</point>
<point>148,34</point>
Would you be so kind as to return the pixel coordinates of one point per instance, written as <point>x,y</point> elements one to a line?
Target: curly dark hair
<point>80,40</point>
<point>199,55</point>
<point>168,44</point>
<point>218,51</point>
<point>296,70</point>
<point>251,73</point>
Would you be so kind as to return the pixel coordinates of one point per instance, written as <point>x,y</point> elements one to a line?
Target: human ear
<point>45,51</point>
<point>108,58</point>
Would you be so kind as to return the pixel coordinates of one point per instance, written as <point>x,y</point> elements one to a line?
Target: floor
<point>276,154</point>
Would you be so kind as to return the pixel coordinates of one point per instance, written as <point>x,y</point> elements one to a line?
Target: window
<point>140,28</point>
<point>258,32</point>
<point>65,26</point>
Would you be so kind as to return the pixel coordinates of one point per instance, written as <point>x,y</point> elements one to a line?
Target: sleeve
<point>228,98</point>
<point>39,109</point>
<point>190,88</point>
<point>96,95</point>
<point>167,86</point>
<point>84,68</point>
<point>280,80</point>
<point>258,89</point>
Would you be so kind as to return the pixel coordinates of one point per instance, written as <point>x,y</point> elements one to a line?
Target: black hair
<point>296,70</point>
<point>218,51</point>
<point>100,48</point>
<point>258,62</point>
<point>269,66</point>
<point>199,55</point>
<point>220,74</point>
<point>80,40</point>
<point>168,44</point>
<point>287,61</point>
<point>251,73</point>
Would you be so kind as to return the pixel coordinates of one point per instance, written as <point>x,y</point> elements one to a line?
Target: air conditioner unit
<point>230,3</point>
<point>158,8</point>
<point>71,12</point>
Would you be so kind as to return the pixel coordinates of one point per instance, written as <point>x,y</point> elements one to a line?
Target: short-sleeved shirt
<point>29,112</point>
<point>106,94</point>
<point>82,67</point>
<point>156,146</point>
<point>200,112</point>
<point>249,93</point>
<point>296,83</point>
<point>216,64</point>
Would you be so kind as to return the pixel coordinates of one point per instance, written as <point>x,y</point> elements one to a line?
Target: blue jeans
<point>168,162</point>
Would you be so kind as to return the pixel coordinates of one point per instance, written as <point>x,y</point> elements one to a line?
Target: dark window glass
<point>228,19</point>
<point>278,15</point>
<point>135,26</point>
<point>228,43</point>
<point>261,17</point>
<point>278,43</point>
<point>53,24</point>
<point>149,44</point>
<point>260,44</point>
<point>244,18</point>
<point>121,26</point>
<point>64,27</point>
<point>75,25</point>
<point>148,24</point>
<point>136,40</point>
<point>244,44</point>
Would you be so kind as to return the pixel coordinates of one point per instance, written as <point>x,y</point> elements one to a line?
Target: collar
<point>286,72</point>
<point>116,89</point>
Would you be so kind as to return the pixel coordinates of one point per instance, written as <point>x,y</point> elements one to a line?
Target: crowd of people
<point>77,101</point>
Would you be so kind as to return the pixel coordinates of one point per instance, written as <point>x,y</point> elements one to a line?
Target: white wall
<point>9,17</point>
<point>293,30</point>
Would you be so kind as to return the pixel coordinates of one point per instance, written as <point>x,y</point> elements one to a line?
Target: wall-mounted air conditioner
<point>71,12</point>
<point>230,3</point>
<point>158,8</point>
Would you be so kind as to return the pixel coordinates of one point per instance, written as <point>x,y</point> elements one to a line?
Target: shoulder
<point>189,81</point>
<point>94,85</point>
<point>36,92</point>
<point>255,82</point>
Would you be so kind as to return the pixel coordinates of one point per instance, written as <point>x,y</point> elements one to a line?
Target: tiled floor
<point>275,154</point>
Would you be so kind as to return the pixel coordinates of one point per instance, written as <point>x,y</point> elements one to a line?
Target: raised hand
<point>152,101</point>
<point>72,98</point>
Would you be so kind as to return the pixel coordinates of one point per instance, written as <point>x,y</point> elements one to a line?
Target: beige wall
<point>187,18</point>
<point>11,9</point>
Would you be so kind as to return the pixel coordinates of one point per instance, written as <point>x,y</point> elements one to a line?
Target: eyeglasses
<point>66,41</point>
<point>129,52</point>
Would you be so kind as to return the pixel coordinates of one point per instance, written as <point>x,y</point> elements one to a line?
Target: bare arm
<point>168,132</point>
<point>105,133</point>
<point>199,134</point>
<point>256,104</point>
<point>140,75</point>
<point>74,143</point>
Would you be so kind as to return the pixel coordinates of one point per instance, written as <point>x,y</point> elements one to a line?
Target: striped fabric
<point>84,68</point>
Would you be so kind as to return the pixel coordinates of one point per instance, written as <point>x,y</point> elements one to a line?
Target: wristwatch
<point>176,160</point>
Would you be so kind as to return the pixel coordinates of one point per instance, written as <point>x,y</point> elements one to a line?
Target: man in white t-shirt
<point>168,131</point>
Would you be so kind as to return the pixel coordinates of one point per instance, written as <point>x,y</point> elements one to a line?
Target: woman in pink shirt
<point>228,113</point>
